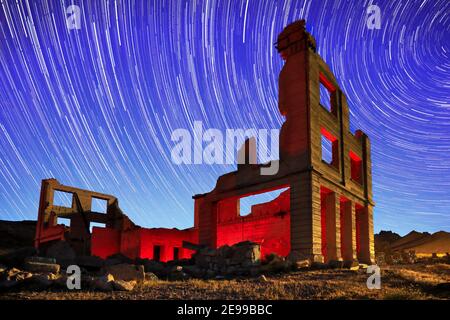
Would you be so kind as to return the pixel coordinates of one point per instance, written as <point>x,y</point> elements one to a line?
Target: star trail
<point>95,107</point>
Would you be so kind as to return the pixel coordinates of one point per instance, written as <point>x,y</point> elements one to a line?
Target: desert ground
<point>417,281</point>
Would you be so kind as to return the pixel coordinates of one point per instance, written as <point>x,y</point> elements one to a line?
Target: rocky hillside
<point>420,242</point>
<point>16,234</point>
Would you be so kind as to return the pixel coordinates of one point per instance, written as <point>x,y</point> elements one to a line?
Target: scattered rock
<point>262,278</point>
<point>23,276</point>
<point>275,264</point>
<point>302,264</point>
<point>124,285</point>
<point>41,281</point>
<point>150,276</point>
<point>126,272</point>
<point>40,259</point>
<point>336,264</point>
<point>12,273</point>
<point>354,268</point>
<point>41,267</point>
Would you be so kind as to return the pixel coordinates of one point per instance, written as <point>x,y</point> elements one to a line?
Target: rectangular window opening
<point>256,202</point>
<point>95,224</point>
<point>157,253</point>
<point>63,221</point>
<point>62,199</point>
<point>356,167</point>
<point>330,148</point>
<point>325,97</point>
<point>326,89</point>
<point>176,253</point>
<point>99,205</point>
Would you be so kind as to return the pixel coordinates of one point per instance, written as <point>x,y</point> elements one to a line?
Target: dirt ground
<point>418,281</point>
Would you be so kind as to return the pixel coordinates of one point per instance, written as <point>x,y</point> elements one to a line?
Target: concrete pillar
<point>305,216</point>
<point>367,250</point>
<point>330,226</point>
<point>348,230</point>
<point>207,223</point>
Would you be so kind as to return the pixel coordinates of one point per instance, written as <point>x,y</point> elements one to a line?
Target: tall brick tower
<point>331,207</point>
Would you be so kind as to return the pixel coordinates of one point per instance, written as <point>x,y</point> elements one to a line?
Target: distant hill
<point>16,234</point>
<point>420,242</point>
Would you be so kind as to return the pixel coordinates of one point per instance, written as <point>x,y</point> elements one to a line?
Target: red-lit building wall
<point>268,224</point>
<point>167,240</point>
<point>140,242</point>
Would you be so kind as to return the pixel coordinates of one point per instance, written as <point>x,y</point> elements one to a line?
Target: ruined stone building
<point>325,212</point>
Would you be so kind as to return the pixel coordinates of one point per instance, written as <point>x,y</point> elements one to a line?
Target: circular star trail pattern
<point>95,107</point>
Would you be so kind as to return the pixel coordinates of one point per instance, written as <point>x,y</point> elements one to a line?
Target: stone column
<point>305,216</point>
<point>367,250</point>
<point>332,225</point>
<point>348,230</point>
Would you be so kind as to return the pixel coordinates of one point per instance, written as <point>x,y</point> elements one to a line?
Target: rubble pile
<point>119,272</point>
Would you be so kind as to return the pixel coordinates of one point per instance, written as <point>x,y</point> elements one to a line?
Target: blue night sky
<point>95,107</point>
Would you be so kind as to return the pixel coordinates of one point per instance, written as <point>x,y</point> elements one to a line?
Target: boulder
<point>23,276</point>
<point>11,274</point>
<point>119,257</point>
<point>103,283</point>
<point>348,264</point>
<point>124,285</point>
<point>40,259</point>
<point>154,266</point>
<point>274,264</point>
<point>177,273</point>
<point>62,252</point>
<point>247,253</point>
<point>89,262</point>
<point>150,276</point>
<point>194,271</point>
<point>61,281</point>
<point>354,268</point>
<point>41,267</point>
<point>41,281</point>
<point>126,272</point>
